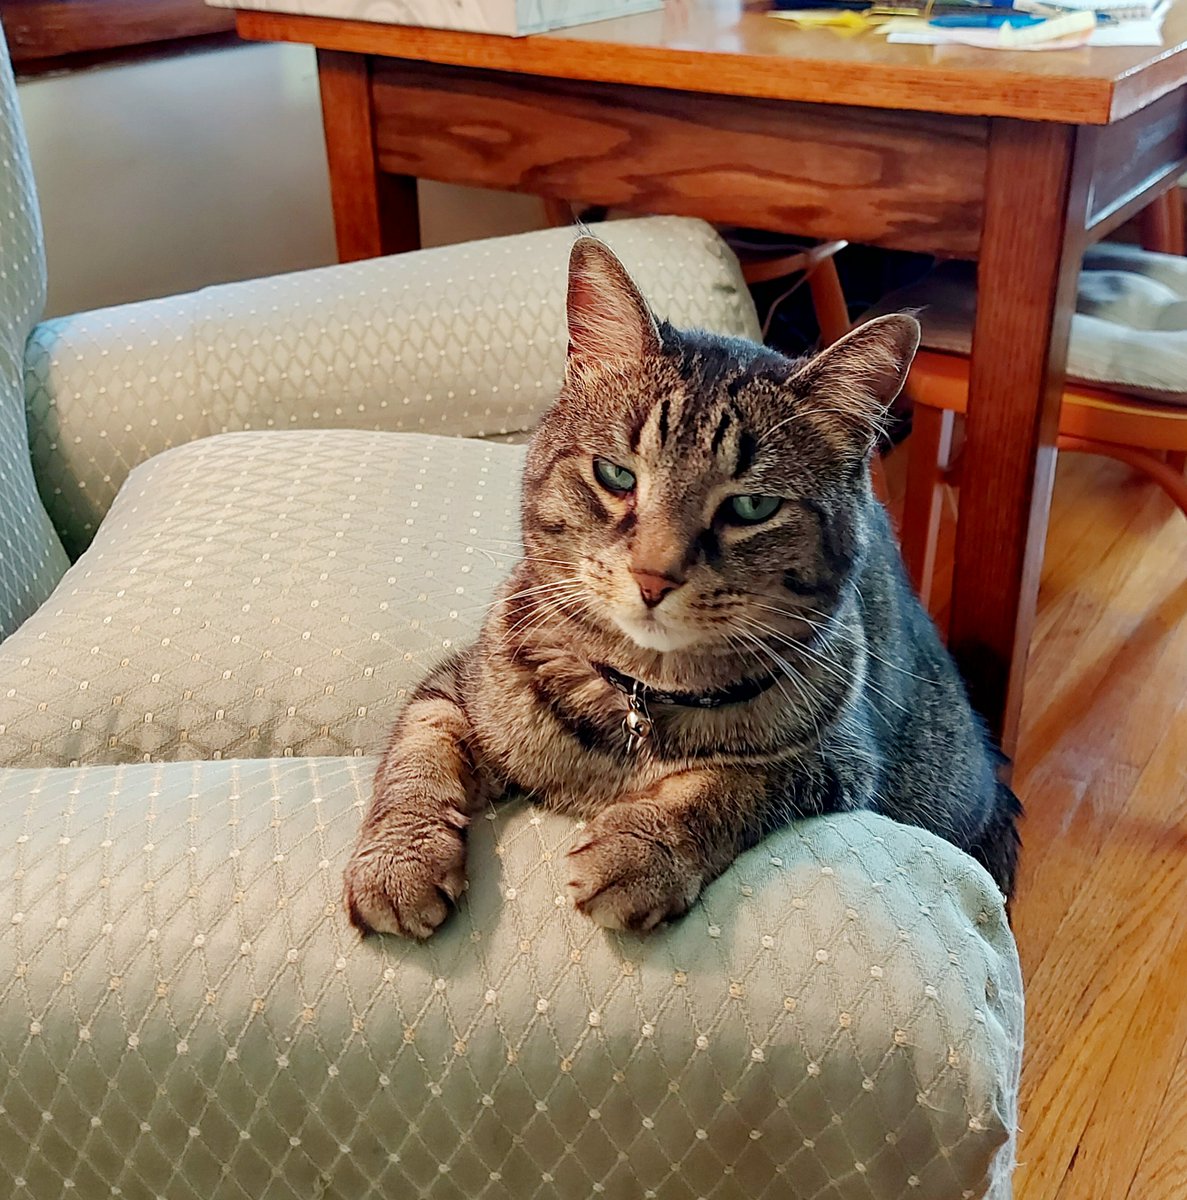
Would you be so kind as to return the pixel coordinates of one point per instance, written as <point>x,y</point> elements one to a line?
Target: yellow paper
<point>841,20</point>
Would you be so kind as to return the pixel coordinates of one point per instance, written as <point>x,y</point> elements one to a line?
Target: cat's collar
<point>733,693</point>
<point>637,724</point>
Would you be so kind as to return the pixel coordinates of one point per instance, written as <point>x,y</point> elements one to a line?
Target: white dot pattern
<point>263,594</point>
<point>31,557</point>
<point>464,340</point>
<point>255,1045</point>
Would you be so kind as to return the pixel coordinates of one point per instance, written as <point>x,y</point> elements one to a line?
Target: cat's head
<point>685,485</point>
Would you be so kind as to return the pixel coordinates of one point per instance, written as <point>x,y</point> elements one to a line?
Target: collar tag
<point>637,724</point>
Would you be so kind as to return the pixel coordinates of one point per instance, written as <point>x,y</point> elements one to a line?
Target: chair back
<point>31,556</point>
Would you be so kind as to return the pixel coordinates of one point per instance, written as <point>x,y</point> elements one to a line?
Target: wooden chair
<point>1150,437</point>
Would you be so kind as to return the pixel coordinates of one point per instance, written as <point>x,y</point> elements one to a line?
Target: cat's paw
<point>404,878</point>
<point>633,869</point>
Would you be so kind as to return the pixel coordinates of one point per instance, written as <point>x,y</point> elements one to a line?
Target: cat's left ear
<point>609,321</point>
<point>858,377</point>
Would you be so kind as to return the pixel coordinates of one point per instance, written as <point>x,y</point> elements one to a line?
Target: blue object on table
<point>986,20</point>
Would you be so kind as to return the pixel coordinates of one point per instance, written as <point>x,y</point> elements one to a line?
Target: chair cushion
<point>187,1013</point>
<point>1129,331</point>
<point>261,595</point>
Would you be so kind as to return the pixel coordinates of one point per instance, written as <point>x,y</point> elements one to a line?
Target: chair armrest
<point>191,1014</point>
<point>466,340</point>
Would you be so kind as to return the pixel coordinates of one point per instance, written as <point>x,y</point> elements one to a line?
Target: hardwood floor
<point>1101,911</point>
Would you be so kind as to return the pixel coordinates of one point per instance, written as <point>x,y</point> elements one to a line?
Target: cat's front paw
<point>404,877</point>
<point>633,868</point>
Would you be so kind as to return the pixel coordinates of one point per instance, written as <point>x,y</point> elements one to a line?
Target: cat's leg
<point>409,865</point>
<point>646,859</point>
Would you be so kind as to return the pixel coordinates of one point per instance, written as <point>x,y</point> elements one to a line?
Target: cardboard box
<point>512,17</point>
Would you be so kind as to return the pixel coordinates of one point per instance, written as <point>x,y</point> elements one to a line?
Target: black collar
<point>734,693</point>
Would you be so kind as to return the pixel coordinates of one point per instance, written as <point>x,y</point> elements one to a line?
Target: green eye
<point>613,477</point>
<point>750,510</point>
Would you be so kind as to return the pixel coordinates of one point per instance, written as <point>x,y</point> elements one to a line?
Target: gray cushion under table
<point>1128,333</point>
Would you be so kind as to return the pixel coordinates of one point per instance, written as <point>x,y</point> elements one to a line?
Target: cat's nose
<point>652,587</point>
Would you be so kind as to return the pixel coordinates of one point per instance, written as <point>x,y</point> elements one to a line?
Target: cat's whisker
<point>531,601</point>
<point>545,602</point>
<point>832,628</point>
<point>517,556</point>
<point>487,605</point>
<point>817,694</point>
<point>828,665</point>
<point>796,677</point>
<point>831,667</point>
<point>742,648</point>
<point>552,585</point>
<point>810,709</point>
<point>551,606</point>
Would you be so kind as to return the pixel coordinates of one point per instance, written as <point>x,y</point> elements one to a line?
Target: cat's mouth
<point>651,631</point>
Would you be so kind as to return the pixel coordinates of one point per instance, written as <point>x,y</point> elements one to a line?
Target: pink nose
<point>652,587</point>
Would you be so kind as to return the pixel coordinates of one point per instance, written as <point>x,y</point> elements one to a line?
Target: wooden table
<point>716,111</point>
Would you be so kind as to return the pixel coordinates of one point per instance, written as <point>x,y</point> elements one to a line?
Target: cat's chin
<point>649,634</point>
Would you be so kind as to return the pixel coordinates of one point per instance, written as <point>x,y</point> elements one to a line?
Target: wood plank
<point>1163,1166</point>
<point>1093,720</point>
<point>1104,1166</point>
<point>906,180</point>
<point>373,214</point>
<point>716,46</point>
<point>1036,193</point>
<point>41,29</point>
<point>1133,156</point>
<point>1084,998</point>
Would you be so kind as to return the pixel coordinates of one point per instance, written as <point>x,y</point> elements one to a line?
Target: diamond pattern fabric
<point>31,557</point>
<point>466,340</point>
<point>185,1012</point>
<point>262,594</point>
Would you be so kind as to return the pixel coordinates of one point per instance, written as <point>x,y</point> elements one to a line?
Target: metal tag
<point>637,722</point>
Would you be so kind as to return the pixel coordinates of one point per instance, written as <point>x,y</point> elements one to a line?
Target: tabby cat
<point>709,635</point>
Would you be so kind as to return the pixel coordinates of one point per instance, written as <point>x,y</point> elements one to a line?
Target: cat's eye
<point>613,477</point>
<point>750,510</point>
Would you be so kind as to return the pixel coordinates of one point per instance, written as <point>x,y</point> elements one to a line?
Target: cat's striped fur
<point>862,706</point>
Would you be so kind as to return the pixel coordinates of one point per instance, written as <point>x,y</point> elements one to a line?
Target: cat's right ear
<point>609,321</point>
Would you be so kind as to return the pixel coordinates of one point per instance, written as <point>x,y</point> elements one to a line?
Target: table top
<point>732,47</point>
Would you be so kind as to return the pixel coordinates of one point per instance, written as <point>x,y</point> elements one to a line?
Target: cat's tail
<point>998,843</point>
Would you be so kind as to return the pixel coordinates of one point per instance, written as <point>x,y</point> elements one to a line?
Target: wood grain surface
<point>1036,197</point>
<point>373,213</point>
<point>907,180</point>
<point>1133,156</point>
<point>722,47</point>
<point>41,29</point>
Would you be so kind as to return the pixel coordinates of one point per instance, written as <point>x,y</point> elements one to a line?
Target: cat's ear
<point>609,321</point>
<point>856,379</point>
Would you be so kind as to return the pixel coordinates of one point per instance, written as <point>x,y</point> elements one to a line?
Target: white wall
<point>162,176</point>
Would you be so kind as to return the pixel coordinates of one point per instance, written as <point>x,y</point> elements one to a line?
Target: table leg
<point>1031,245</point>
<point>374,213</point>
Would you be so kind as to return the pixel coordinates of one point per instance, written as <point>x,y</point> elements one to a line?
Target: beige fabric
<point>185,1013</point>
<point>1129,331</point>
<point>31,557</point>
<point>254,594</point>
<point>466,340</point>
